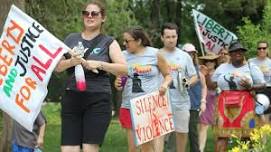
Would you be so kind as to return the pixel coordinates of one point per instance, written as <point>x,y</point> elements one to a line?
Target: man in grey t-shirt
<point>183,73</point>
<point>26,140</point>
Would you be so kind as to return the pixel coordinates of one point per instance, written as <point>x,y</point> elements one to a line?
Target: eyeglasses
<point>262,48</point>
<point>91,14</point>
<point>127,41</point>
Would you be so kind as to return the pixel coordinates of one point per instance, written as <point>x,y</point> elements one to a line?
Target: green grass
<point>115,140</point>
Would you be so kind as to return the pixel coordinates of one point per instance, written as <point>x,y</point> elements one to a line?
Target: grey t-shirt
<point>228,77</point>
<point>25,138</point>
<point>265,67</point>
<point>179,61</point>
<point>144,75</point>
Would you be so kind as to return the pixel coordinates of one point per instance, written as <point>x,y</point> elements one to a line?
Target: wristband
<point>202,101</point>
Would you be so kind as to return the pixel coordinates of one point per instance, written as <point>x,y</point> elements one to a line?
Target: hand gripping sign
<point>151,117</point>
<point>28,56</point>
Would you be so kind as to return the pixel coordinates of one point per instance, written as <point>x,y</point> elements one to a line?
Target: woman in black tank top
<point>86,114</point>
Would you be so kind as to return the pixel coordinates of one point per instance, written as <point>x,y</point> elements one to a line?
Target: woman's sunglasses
<point>91,14</point>
<point>262,48</point>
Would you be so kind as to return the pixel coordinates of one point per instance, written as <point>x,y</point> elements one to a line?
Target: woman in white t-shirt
<point>235,105</point>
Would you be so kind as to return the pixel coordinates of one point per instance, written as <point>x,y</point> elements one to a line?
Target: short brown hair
<point>138,33</point>
<point>99,3</point>
<point>171,26</point>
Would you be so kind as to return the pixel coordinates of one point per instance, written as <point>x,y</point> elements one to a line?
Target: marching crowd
<point>217,92</point>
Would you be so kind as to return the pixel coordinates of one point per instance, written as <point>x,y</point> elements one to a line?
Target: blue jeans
<point>18,148</point>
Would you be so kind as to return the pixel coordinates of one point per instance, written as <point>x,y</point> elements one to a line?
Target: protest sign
<point>211,34</point>
<point>28,56</point>
<point>151,117</point>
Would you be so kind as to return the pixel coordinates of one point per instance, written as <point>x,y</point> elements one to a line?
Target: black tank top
<point>99,50</point>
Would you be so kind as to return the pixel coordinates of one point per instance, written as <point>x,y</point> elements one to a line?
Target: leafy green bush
<point>250,34</point>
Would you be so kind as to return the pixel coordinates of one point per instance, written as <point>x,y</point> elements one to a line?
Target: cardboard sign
<point>151,117</point>
<point>28,56</point>
<point>211,34</point>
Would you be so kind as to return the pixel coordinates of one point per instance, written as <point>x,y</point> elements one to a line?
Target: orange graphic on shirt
<point>174,67</point>
<point>142,68</point>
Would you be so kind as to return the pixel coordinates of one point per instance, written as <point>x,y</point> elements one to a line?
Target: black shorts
<point>85,117</point>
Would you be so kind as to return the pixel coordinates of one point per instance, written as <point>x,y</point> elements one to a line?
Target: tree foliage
<point>119,18</point>
<point>62,17</point>
<point>229,13</point>
<point>251,33</point>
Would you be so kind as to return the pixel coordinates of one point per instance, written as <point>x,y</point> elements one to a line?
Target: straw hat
<point>209,56</point>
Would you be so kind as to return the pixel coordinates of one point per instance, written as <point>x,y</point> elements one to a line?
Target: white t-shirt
<point>265,67</point>
<point>228,77</point>
<point>179,61</point>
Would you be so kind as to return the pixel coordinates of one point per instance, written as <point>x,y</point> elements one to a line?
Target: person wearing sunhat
<point>197,94</point>
<point>209,63</point>
<point>235,105</point>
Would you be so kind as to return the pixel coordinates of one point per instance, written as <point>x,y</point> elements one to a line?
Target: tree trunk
<point>5,141</point>
<point>171,6</point>
<point>179,14</point>
<point>5,6</point>
<point>5,145</point>
<point>155,13</point>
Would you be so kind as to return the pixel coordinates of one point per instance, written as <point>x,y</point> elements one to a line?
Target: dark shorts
<point>85,117</point>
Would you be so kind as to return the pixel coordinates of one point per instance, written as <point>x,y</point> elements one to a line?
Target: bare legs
<point>131,143</point>
<point>202,136</point>
<point>86,148</point>
<point>181,140</point>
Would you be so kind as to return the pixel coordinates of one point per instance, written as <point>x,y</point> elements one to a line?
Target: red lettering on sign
<point>15,31</point>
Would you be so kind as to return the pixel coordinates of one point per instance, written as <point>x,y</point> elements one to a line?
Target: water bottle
<point>180,81</point>
<point>79,71</point>
<point>80,78</point>
<point>123,80</point>
<point>80,48</point>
